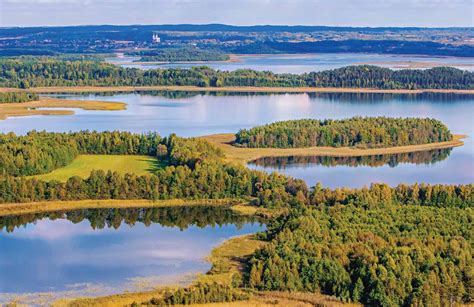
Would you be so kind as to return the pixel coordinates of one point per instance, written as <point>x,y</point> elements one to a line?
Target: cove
<point>105,251</point>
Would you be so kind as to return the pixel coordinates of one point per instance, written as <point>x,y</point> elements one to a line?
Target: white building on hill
<point>156,38</point>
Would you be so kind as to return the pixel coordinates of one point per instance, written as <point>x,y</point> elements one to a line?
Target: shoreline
<point>9,209</point>
<point>232,154</point>
<point>246,89</point>
<point>245,155</point>
<point>62,105</point>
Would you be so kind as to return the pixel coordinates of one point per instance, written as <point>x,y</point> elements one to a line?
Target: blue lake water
<point>195,114</point>
<point>104,251</point>
<point>302,63</point>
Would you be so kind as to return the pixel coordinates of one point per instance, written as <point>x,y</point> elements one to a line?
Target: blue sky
<point>425,13</point>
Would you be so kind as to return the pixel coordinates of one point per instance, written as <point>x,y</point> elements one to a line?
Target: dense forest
<point>15,97</point>
<point>356,131</point>
<point>380,251</point>
<point>392,160</point>
<point>179,55</point>
<point>34,73</point>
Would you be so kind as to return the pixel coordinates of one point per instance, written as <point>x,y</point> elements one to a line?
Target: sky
<point>373,13</point>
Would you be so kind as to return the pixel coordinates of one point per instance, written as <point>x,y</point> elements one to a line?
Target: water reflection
<point>108,250</point>
<point>433,167</point>
<point>180,217</point>
<point>332,97</point>
<point>392,160</point>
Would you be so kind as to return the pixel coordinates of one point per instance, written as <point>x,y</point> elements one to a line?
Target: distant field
<point>84,164</point>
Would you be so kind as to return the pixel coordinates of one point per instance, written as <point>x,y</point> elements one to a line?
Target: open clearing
<point>245,155</point>
<point>84,164</point>
<point>35,107</point>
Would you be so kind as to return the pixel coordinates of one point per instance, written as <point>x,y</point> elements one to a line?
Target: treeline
<point>179,55</point>
<point>15,97</point>
<point>201,293</point>
<point>34,73</point>
<point>392,160</point>
<point>41,152</point>
<point>356,131</point>
<point>420,47</point>
<point>196,170</point>
<point>377,246</point>
<point>180,216</point>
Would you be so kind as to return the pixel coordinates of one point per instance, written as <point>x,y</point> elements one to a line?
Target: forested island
<point>377,245</point>
<point>41,73</point>
<point>361,132</point>
<point>172,55</point>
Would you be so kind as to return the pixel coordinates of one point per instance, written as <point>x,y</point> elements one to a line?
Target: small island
<point>359,132</point>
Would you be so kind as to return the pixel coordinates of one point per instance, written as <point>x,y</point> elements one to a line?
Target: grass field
<point>84,164</point>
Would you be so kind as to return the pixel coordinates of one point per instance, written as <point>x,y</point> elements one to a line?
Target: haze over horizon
<point>356,13</point>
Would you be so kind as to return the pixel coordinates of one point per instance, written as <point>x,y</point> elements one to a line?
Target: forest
<point>15,97</point>
<point>361,132</point>
<point>386,254</point>
<point>378,245</point>
<point>353,46</point>
<point>179,55</point>
<point>41,152</point>
<point>35,73</point>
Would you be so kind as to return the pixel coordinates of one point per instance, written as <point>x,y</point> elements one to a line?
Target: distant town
<point>235,39</point>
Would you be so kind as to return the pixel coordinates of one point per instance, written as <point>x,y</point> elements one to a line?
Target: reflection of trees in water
<point>181,217</point>
<point>377,97</point>
<point>420,157</point>
<point>190,94</point>
<point>333,97</point>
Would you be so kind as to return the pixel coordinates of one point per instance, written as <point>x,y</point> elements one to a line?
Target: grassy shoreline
<point>34,107</point>
<point>51,206</point>
<point>82,89</point>
<point>244,155</point>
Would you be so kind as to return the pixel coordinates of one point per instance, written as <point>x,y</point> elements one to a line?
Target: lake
<point>105,251</point>
<point>302,63</point>
<point>195,114</point>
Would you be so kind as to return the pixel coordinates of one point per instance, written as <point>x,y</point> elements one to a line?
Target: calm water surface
<point>302,63</point>
<point>104,251</point>
<point>195,114</point>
